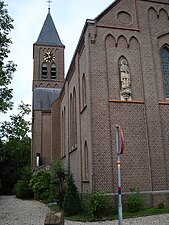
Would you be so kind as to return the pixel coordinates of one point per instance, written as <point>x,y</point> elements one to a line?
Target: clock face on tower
<point>49,57</point>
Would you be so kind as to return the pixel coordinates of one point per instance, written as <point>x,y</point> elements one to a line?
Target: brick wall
<point>56,131</point>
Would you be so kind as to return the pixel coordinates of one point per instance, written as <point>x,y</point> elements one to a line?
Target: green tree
<point>58,175</point>
<point>58,172</point>
<point>22,188</point>
<point>72,202</point>
<point>40,183</point>
<point>6,69</point>
<point>15,149</point>
<point>17,127</point>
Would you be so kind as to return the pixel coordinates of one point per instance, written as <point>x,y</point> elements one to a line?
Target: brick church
<point>119,74</point>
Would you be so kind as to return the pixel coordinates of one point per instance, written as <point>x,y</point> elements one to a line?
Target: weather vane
<point>49,2</point>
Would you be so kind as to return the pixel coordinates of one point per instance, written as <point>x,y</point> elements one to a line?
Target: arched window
<point>83,91</point>
<point>63,133</point>
<point>71,122</point>
<point>74,119</point>
<point>86,162</point>
<point>53,71</point>
<point>165,69</point>
<point>44,71</point>
<point>62,151</point>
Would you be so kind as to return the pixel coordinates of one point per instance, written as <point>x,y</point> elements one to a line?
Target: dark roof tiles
<point>49,35</point>
<point>44,97</point>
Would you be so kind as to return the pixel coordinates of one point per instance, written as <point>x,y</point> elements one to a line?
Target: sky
<point>69,17</point>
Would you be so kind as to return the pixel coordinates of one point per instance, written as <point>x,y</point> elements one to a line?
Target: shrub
<point>46,197</point>
<point>40,183</point>
<point>97,203</point>
<point>134,203</point>
<point>57,187</point>
<point>58,171</point>
<point>72,202</point>
<point>22,189</point>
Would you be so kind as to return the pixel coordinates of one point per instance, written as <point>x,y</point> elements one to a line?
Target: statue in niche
<point>125,80</point>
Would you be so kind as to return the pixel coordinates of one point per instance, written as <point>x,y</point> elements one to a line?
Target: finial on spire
<point>49,1</point>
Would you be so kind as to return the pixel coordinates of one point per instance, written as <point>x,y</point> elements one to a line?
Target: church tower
<point>48,55</point>
<point>48,79</point>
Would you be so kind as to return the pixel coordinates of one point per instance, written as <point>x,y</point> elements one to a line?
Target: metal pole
<point>120,216</point>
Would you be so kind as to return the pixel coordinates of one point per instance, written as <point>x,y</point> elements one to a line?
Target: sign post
<point>119,150</point>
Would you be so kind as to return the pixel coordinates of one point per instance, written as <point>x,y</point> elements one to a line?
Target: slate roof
<point>44,97</point>
<point>49,35</point>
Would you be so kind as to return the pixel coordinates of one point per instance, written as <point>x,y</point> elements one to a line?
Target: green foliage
<point>59,196</point>
<point>6,70</point>
<point>40,183</point>
<point>15,154</point>
<point>58,171</point>
<point>17,127</point>
<point>96,203</point>
<point>57,187</point>
<point>45,196</point>
<point>15,149</point>
<point>113,215</point>
<point>134,203</point>
<point>72,202</point>
<point>22,189</point>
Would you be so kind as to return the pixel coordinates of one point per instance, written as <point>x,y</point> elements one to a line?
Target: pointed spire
<point>49,1</point>
<point>49,35</point>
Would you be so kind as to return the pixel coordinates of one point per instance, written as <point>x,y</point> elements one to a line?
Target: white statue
<point>125,81</point>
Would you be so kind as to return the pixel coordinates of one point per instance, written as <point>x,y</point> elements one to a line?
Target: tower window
<point>53,71</point>
<point>165,70</point>
<point>44,71</point>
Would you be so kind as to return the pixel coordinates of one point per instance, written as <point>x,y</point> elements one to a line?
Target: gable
<point>120,14</point>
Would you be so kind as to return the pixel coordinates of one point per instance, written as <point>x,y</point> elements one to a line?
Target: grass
<point>146,212</point>
<point>86,217</point>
